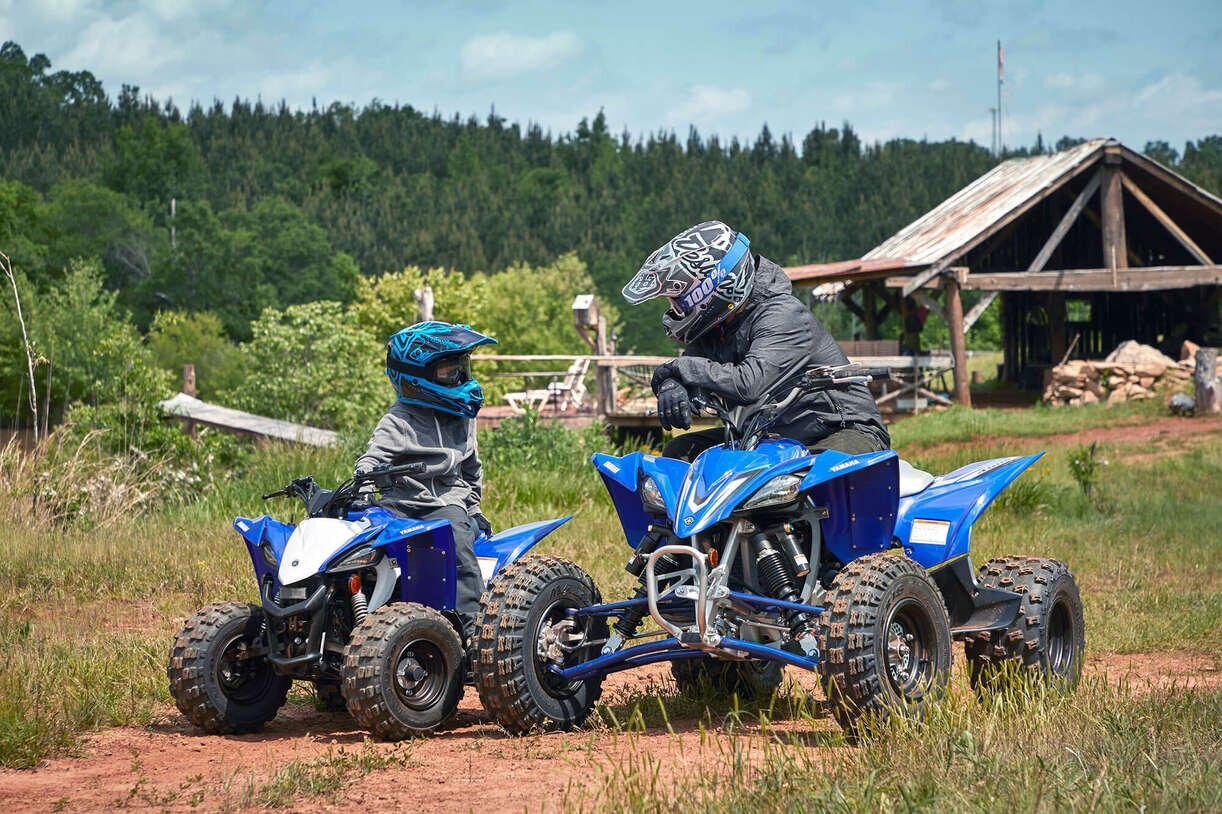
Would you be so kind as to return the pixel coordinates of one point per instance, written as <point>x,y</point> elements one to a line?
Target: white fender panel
<point>313,543</point>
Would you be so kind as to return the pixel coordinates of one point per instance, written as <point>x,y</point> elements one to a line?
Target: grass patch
<point>1103,748</point>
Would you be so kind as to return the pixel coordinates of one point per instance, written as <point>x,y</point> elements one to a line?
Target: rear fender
<point>428,563</point>
<point>621,476</point>
<point>935,525</point>
<point>253,532</point>
<point>504,547</point>
<point>860,493</point>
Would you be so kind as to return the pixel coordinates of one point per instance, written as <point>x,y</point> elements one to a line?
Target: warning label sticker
<point>929,532</point>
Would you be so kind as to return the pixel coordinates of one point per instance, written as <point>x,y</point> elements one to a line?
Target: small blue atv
<point>354,599</point>
<point>760,555</point>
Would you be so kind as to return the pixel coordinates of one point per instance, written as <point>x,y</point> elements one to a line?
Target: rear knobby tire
<point>754,681</point>
<point>884,641</point>
<point>522,602</point>
<point>1048,636</point>
<point>403,671</point>
<point>214,679</point>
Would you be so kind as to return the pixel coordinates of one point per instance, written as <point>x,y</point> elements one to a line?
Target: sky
<point>1136,71</point>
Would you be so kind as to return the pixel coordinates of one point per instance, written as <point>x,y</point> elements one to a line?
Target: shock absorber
<point>360,605</point>
<point>627,624</point>
<point>776,570</point>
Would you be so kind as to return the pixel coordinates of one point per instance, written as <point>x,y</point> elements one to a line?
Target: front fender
<point>254,532</point>
<point>497,551</point>
<point>621,475</point>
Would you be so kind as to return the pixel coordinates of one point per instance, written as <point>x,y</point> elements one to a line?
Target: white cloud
<point>130,45</point>
<point>1088,82</point>
<point>708,107</point>
<point>504,56</point>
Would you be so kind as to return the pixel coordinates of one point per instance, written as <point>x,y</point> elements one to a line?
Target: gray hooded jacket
<point>771,332</point>
<point>444,443</point>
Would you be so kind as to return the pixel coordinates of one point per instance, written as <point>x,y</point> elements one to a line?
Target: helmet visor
<point>451,371</point>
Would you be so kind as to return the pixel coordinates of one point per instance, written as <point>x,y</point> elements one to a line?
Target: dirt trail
<point>472,766</point>
<point>1154,434</point>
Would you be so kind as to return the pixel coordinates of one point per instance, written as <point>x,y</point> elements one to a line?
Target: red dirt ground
<point>170,766</point>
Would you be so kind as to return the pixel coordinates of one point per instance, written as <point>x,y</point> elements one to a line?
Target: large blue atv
<point>354,599</point>
<point>759,555</point>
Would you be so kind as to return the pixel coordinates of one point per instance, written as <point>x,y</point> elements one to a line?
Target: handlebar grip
<point>876,373</point>
<point>277,493</point>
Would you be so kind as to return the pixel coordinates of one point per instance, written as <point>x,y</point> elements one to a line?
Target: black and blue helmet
<point>429,364</point>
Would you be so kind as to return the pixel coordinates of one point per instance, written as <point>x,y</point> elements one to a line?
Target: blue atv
<point>760,555</point>
<point>354,599</point>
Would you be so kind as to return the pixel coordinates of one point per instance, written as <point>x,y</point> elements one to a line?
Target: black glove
<point>674,405</point>
<point>482,523</point>
<point>661,373</point>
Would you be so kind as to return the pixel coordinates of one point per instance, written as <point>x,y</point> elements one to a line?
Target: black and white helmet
<point>706,271</point>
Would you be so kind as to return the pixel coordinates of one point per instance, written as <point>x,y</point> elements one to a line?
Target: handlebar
<point>402,469</point>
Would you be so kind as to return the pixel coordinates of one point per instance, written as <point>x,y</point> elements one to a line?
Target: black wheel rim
<point>908,649</point>
<point>1061,639</point>
<point>419,674</point>
<point>243,678</point>
<point>556,685</point>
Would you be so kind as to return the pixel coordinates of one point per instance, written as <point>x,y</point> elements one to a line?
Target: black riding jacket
<point>772,331</point>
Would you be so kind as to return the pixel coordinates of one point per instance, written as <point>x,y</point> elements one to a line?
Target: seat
<point>912,480</point>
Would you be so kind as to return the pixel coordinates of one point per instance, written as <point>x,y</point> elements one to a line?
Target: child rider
<point>433,422</point>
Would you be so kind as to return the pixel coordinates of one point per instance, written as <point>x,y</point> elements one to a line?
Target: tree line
<point>229,210</point>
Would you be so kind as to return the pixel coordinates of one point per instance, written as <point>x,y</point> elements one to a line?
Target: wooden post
<point>1205,381</point>
<point>188,387</point>
<point>958,341</point>
<point>1115,247</point>
<point>424,303</point>
<point>1058,335</point>
<point>869,311</point>
<point>604,375</point>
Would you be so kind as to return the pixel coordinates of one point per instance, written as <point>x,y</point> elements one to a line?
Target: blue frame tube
<point>616,608</point>
<point>669,649</point>
<point>767,602</point>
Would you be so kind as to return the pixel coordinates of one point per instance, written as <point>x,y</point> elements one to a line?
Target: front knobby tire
<point>1048,637</point>
<point>885,641</point>
<point>403,671</point>
<point>220,677</point>
<point>753,681</point>
<point>524,602</point>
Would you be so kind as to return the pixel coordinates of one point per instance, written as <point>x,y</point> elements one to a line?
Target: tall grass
<point>1103,748</point>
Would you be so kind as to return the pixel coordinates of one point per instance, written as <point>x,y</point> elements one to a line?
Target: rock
<point>1133,352</point>
<point>1065,392</point>
<point>1151,369</point>
<point>1146,381</point>
<point>1116,397</point>
<point>1135,391</point>
<point>1188,350</point>
<point>1089,398</point>
<point>1181,403</point>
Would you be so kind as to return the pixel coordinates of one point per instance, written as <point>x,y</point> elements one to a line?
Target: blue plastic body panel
<point>428,563</point>
<point>950,505</point>
<point>721,479</point>
<point>254,532</point>
<point>860,493</point>
<point>508,545</point>
<point>621,476</point>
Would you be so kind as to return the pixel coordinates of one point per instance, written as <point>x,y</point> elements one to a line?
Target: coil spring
<point>627,624</point>
<point>360,607</point>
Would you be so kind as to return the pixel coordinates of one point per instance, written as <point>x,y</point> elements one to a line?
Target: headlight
<point>651,496</point>
<point>269,554</point>
<point>781,489</point>
<point>359,558</point>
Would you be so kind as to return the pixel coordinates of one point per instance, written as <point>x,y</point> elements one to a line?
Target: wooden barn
<point>1081,250</point>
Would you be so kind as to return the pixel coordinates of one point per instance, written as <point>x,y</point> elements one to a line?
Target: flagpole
<point>1001,148</point>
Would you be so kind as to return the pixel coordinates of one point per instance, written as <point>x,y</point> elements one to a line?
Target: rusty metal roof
<point>949,229</point>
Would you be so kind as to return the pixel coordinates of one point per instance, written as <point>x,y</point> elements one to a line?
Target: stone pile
<point>1132,372</point>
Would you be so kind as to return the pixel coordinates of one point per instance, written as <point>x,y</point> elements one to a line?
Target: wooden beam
<point>1093,217</point>
<point>1163,218</point>
<point>978,310</point>
<point>1067,222</point>
<point>1154,278</point>
<point>1115,246</point>
<point>958,339</point>
<point>930,303</point>
<point>918,281</point>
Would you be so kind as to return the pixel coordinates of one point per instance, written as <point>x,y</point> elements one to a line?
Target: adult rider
<point>742,327</point>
